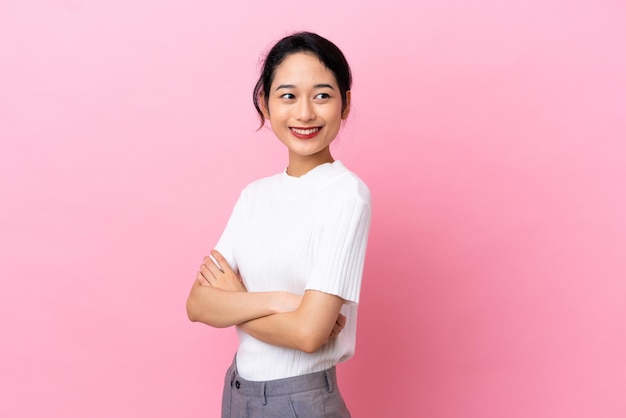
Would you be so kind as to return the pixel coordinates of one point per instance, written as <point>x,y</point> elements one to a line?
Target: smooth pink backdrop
<point>491,135</point>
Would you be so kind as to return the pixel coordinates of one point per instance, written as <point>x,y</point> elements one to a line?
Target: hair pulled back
<point>327,52</point>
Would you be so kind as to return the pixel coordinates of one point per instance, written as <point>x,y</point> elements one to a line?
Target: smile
<point>308,131</point>
<point>305,133</point>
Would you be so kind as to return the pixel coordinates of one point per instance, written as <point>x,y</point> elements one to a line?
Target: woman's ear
<point>346,109</point>
<point>264,107</point>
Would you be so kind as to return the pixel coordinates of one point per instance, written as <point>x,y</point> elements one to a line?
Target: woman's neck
<point>299,165</point>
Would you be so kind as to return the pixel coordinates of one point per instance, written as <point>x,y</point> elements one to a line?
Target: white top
<point>293,234</point>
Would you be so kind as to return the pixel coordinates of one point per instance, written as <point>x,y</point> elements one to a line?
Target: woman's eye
<point>322,96</point>
<point>287,96</point>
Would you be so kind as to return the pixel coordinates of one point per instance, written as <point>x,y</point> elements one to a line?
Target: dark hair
<point>322,48</point>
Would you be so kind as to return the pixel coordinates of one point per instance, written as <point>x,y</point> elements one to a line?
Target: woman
<point>287,269</point>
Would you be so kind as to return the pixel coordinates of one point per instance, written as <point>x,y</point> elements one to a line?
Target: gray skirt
<point>314,395</point>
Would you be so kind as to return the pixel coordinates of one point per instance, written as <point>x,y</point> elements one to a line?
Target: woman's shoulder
<point>334,181</point>
<point>349,185</point>
<point>261,185</point>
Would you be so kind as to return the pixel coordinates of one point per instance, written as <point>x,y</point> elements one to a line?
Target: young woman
<point>287,268</point>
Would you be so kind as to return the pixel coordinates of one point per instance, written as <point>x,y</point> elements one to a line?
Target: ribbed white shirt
<point>293,234</point>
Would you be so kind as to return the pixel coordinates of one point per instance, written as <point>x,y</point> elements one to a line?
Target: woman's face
<point>304,105</point>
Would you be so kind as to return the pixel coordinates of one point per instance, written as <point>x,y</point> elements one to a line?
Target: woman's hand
<point>224,278</point>
<point>338,326</point>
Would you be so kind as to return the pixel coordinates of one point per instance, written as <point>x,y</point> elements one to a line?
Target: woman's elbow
<point>192,312</point>
<point>197,312</point>
<point>310,348</point>
<point>310,342</point>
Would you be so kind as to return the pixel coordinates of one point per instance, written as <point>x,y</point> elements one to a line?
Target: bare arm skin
<point>308,328</point>
<point>218,297</point>
<point>222,308</point>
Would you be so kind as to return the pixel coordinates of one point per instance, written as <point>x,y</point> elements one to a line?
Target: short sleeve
<point>226,243</point>
<point>337,256</point>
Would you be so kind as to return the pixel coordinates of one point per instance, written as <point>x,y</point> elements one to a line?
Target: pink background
<point>491,135</point>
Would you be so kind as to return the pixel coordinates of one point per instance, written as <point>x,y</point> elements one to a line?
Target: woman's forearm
<point>221,308</point>
<point>306,329</point>
<point>278,329</point>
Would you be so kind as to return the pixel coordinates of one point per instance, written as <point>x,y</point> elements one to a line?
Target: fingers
<point>341,320</point>
<point>210,270</point>
<point>220,260</point>
<point>340,323</point>
<point>218,273</point>
<point>216,265</point>
<point>202,280</point>
<point>214,270</point>
<point>209,273</point>
<point>208,261</point>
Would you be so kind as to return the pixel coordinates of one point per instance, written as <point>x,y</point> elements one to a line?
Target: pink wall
<point>492,138</point>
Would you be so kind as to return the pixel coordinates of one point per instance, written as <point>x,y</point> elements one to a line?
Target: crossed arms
<point>218,298</point>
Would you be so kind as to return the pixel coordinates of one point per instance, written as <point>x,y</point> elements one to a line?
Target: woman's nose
<point>305,111</point>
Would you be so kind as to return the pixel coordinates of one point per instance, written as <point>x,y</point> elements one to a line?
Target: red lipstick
<point>305,133</point>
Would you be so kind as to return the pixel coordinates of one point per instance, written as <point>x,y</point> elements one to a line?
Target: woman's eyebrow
<point>317,86</point>
<point>324,86</point>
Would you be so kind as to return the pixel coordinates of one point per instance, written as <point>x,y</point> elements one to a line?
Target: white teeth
<point>304,131</point>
